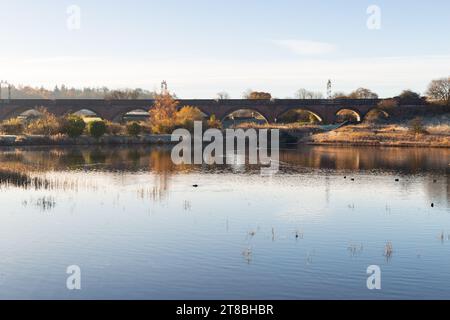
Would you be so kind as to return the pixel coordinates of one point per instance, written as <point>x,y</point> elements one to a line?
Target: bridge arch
<point>376,114</point>
<point>22,112</point>
<point>30,114</point>
<point>243,115</point>
<point>299,115</point>
<point>348,114</point>
<point>87,113</point>
<point>137,114</point>
<point>124,111</point>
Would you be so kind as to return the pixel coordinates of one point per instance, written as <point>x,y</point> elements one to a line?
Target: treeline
<point>438,91</point>
<point>64,92</point>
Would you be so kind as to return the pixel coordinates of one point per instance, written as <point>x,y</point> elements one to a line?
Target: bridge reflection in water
<point>157,159</point>
<point>20,166</point>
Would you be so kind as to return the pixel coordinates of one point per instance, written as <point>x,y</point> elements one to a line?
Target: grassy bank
<point>384,135</point>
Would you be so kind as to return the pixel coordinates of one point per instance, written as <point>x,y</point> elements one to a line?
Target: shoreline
<point>393,135</point>
<point>394,144</point>
<point>42,141</point>
<point>165,140</point>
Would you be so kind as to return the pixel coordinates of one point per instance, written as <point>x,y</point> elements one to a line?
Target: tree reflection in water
<point>33,167</point>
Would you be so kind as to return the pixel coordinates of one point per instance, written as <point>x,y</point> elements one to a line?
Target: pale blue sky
<point>202,47</point>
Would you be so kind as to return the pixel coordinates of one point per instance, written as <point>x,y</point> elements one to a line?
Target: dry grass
<point>440,129</point>
<point>394,135</point>
<point>287,126</point>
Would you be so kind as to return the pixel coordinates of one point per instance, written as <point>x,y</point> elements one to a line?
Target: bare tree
<point>247,93</point>
<point>306,94</point>
<point>339,95</point>
<point>440,90</point>
<point>223,95</point>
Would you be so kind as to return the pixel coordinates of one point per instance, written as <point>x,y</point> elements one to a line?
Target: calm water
<point>138,229</point>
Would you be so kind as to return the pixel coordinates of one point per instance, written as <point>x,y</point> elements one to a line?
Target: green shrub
<point>97,128</point>
<point>73,126</point>
<point>12,126</point>
<point>134,128</point>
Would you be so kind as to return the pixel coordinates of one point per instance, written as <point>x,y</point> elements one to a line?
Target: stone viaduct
<point>271,110</point>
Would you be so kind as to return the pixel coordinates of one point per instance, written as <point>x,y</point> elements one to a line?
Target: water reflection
<point>404,160</point>
<point>26,167</point>
<point>137,225</point>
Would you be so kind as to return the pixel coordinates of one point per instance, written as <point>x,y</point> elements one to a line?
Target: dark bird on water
<point>432,205</point>
<point>195,185</point>
<point>353,179</point>
<point>397,180</point>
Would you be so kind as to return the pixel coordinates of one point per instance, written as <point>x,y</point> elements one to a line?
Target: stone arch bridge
<point>271,110</point>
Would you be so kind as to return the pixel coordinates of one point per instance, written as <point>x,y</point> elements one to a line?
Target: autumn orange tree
<point>256,95</point>
<point>163,113</point>
<point>189,113</point>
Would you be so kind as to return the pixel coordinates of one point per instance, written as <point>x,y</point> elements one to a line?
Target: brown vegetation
<point>46,124</point>
<point>306,94</point>
<point>256,95</point>
<point>165,116</point>
<point>12,126</point>
<point>416,134</point>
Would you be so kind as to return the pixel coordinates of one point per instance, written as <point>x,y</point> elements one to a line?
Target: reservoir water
<point>138,229</point>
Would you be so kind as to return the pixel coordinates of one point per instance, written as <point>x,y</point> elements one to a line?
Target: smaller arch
<point>30,114</point>
<point>243,115</point>
<point>299,115</point>
<point>376,115</point>
<point>133,115</point>
<point>347,114</point>
<point>27,113</point>
<point>87,115</point>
